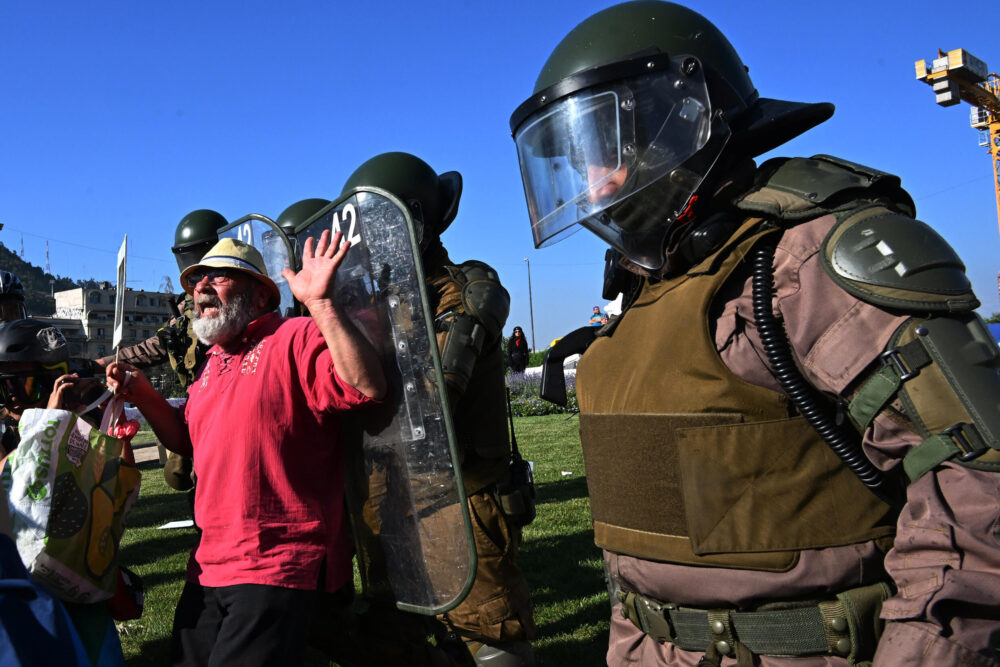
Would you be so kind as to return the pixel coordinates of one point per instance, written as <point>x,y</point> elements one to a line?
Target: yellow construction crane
<point>959,75</point>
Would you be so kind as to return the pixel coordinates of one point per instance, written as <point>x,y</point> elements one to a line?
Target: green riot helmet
<point>431,197</point>
<point>297,213</point>
<point>629,115</point>
<point>11,298</point>
<point>196,233</point>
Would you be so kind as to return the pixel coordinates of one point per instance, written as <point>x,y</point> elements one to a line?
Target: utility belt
<point>847,626</point>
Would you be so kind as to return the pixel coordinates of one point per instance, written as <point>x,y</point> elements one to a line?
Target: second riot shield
<point>266,236</point>
<point>404,488</point>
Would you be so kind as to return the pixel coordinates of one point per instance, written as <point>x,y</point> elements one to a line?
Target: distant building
<point>86,317</point>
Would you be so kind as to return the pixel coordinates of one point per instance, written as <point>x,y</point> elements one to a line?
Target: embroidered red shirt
<point>263,419</point>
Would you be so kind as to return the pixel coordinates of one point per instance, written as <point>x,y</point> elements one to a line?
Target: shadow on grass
<point>570,598</point>
<point>562,490</point>
<point>152,653</point>
<point>151,550</point>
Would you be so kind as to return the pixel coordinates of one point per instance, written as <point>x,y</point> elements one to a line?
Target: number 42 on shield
<point>350,218</point>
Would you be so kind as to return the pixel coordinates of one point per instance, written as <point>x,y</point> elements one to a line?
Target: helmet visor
<point>590,150</point>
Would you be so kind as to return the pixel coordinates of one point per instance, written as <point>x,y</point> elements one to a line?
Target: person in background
<point>517,351</point>
<point>175,342</point>
<point>595,317</point>
<point>262,426</point>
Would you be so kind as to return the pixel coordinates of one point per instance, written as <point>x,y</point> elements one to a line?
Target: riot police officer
<point>495,621</point>
<point>295,215</point>
<point>797,380</point>
<point>176,341</point>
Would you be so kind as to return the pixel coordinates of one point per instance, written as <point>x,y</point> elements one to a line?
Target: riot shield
<point>404,489</point>
<point>263,234</point>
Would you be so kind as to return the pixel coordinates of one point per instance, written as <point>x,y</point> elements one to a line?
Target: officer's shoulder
<point>483,296</point>
<point>895,261</point>
<point>474,269</point>
<point>797,189</point>
<point>877,250</point>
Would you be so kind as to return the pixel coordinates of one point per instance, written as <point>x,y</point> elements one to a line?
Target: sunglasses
<point>29,386</point>
<point>214,277</point>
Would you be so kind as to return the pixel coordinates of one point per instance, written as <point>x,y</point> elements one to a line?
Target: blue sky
<point>121,117</point>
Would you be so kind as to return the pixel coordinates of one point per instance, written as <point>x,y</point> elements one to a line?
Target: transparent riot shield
<point>266,236</point>
<point>404,488</point>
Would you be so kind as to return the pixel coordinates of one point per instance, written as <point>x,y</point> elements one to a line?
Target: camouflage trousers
<point>498,608</point>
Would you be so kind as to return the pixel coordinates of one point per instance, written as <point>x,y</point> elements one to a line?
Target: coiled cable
<point>845,443</point>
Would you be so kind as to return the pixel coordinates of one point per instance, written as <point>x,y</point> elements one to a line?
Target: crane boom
<point>958,75</point>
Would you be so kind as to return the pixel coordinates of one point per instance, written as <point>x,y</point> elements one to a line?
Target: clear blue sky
<point>121,117</point>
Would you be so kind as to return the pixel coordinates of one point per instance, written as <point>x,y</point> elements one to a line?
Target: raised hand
<point>62,388</point>
<point>320,262</point>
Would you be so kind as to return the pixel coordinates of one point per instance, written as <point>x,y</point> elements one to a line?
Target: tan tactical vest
<point>686,462</point>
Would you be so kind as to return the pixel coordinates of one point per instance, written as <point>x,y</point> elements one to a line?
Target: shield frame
<point>445,407</point>
<point>286,309</point>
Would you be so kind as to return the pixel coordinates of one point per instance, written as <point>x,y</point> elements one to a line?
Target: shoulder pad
<point>800,188</point>
<point>484,297</point>
<point>895,261</point>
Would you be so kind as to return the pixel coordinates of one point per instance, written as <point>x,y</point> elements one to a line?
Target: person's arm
<point>170,429</point>
<point>148,353</point>
<point>353,357</point>
<point>945,563</point>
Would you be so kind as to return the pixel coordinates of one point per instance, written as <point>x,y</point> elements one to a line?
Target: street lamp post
<point>531,310</point>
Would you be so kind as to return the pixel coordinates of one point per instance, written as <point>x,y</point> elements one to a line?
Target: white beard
<point>227,323</point>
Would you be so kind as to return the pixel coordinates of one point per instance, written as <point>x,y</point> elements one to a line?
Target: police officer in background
<point>809,466</point>
<point>176,341</point>
<point>295,215</point>
<point>495,621</point>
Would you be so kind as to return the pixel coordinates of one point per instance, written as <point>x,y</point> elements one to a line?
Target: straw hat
<point>239,256</point>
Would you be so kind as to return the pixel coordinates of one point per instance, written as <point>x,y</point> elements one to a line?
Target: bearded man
<point>262,424</point>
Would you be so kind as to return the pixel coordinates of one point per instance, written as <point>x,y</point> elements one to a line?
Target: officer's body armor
<point>185,353</point>
<point>688,463</point>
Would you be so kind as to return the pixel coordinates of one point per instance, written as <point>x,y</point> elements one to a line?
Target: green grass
<point>558,556</point>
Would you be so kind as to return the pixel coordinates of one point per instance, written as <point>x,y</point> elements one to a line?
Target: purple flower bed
<point>525,401</point>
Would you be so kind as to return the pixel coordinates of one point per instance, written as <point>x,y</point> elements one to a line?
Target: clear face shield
<point>586,156</point>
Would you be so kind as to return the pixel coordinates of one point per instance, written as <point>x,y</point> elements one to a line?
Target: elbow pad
<point>942,365</point>
<point>946,373</point>
<point>463,342</point>
<point>484,298</point>
<point>485,304</point>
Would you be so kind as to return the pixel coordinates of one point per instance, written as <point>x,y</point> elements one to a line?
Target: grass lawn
<point>559,558</point>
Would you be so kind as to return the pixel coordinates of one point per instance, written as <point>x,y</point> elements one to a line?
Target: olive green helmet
<point>196,233</point>
<point>297,213</point>
<point>431,197</point>
<point>629,115</point>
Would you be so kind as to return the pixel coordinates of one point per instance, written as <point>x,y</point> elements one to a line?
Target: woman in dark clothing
<point>517,351</point>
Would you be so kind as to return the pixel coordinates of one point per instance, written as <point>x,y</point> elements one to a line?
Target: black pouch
<point>517,494</point>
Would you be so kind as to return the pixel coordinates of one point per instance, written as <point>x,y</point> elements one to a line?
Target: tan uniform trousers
<point>498,608</point>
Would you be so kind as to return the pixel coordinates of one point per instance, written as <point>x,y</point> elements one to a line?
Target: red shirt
<point>264,431</point>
